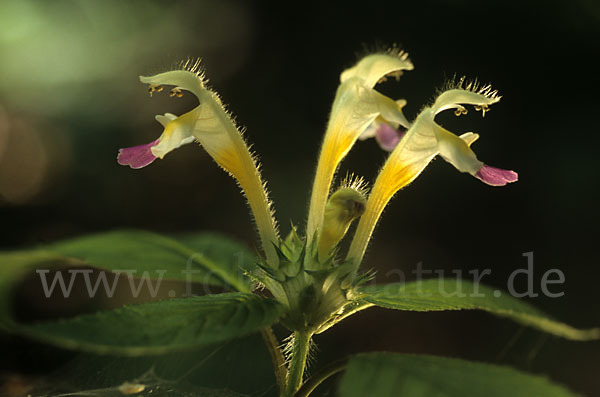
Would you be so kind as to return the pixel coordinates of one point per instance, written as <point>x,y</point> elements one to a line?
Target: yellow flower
<point>305,273</point>
<point>356,106</point>
<point>424,140</point>
<point>210,125</point>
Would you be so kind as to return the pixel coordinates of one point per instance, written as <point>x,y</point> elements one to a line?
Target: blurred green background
<point>70,98</point>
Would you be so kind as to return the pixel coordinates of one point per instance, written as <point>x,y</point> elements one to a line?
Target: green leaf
<point>451,294</point>
<point>160,327</point>
<point>235,368</point>
<point>212,259</point>
<point>392,375</point>
<point>14,266</point>
<point>243,365</point>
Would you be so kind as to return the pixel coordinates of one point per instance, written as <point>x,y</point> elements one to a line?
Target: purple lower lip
<point>496,176</point>
<point>137,156</point>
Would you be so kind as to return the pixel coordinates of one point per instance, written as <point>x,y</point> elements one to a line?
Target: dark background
<point>69,99</point>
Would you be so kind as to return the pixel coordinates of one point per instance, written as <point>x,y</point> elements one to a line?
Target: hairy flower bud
<point>344,206</point>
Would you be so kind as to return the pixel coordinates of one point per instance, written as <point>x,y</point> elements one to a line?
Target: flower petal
<point>496,176</point>
<point>373,68</point>
<point>408,159</point>
<point>165,119</point>
<point>211,125</point>
<point>456,150</point>
<point>370,132</point>
<point>387,136</point>
<point>422,142</point>
<point>390,110</point>
<point>178,132</point>
<point>466,94</point>
<point>137,156</point>
<point>469,137</point>
<point>181,79</point>
<point>355,108</point>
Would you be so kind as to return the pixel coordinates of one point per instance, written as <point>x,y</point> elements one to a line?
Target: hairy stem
<point>276,357</point>
<point>300,348</point>
<point>329,370</point>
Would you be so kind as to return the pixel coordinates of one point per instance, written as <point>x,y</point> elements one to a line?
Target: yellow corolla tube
<point>355,107</point>
<point>211,125</point>
<point>424,140</point>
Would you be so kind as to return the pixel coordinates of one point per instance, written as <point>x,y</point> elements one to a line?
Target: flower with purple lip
<point>210,125</point>
<point>451,148</point>
<point>413,150</point>
<point>178,131</point>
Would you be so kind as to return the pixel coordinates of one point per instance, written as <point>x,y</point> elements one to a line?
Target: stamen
<point>154,88</point>
<point>483,108</point>
<point>461,110</point>
<point>176,92</point>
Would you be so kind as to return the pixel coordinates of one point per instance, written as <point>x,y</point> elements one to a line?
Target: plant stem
<point>276,357</point>
<point>329,370</point>
<point>300,348</point>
